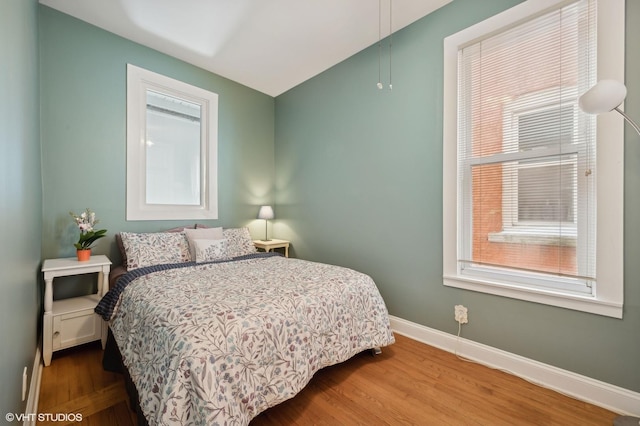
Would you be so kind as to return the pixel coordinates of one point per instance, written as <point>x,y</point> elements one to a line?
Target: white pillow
<point>201,234</point>
<point>209,250</point>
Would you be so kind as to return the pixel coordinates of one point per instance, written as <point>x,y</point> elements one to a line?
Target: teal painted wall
<point>359,183</point>
<point>357,178</point>
<point>20,197</point>
<point>83,97</point>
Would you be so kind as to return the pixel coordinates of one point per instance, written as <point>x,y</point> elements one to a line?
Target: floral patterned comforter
<point>219,343</point>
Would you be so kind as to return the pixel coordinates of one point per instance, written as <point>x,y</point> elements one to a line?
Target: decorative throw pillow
<point>155,248</point>
<point>123,252</point>
<point>201,234</point>
<point>239,242</point>
<point>209,250</point>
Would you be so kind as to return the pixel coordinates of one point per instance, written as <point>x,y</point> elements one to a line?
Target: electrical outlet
<point>24,383</point>
<point>461,314</point>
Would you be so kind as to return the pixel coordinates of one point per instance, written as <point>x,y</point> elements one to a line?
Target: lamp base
<point>626,421</point>
<point>266,232</point>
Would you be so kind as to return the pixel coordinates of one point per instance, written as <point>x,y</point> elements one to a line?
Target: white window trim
<point>138,81</point>
<point>513,110</point>
<point>608,297</point>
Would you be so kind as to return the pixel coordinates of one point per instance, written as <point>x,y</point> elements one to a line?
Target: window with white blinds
<point>521,146</point>
<point>526,159</point>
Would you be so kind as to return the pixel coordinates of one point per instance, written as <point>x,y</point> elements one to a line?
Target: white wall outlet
<point>461,314</point>
<point>24,383</point>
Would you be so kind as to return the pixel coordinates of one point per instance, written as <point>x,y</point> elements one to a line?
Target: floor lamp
<point>605,96</point>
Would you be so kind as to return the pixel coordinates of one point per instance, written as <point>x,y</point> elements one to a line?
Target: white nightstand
<point>268,245</point>
<point>71,322</point>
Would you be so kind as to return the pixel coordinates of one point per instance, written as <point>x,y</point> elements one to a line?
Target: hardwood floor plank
<point>118,414</point>
<point>75,382</point>
<point>92,402</point>
<point>410,383</point>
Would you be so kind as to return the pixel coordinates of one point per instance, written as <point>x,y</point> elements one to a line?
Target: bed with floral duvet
<point>219,339</point>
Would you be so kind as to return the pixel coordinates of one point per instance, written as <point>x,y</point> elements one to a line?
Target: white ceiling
<point>268,45</point>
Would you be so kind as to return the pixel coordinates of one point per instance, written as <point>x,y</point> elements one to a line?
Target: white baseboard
<point>605,395</point>
<point>34,389</point>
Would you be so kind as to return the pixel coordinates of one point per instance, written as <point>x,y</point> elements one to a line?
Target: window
<point>535,188</point>
<point>171,148</point>
<point>541,191</point>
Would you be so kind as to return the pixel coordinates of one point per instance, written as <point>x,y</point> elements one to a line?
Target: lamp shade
<point>603,97</point>
<point>266,212</point>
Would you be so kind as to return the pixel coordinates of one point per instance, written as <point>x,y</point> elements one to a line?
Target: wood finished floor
<point>408,384</point>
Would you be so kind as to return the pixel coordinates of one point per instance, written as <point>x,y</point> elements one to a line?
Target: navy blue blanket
<point>108,303</point>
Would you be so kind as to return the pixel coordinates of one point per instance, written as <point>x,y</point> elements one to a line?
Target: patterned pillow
<point>155,248</point>
<point>201,234</point>
<point>123,252</point>
<point>208,250</point>
<point>239,242</point>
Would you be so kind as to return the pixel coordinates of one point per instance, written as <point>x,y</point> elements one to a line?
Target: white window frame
<point>139,81</point>
<point>607,297</point>
<point>539,233</point>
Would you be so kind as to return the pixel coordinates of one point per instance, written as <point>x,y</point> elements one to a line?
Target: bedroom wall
<point>84,135</point>
<point>20,197</point>
<point>359,183</point>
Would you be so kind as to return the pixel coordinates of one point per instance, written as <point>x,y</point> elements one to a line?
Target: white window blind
<point>521,168</point>
<point>527,155</point>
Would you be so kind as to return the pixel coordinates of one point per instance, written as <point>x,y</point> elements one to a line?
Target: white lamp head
<point>266,212</point>
<point>603,97</point>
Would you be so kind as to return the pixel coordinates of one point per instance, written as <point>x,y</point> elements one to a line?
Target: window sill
<point>533,236</point>
<point>585,303</point>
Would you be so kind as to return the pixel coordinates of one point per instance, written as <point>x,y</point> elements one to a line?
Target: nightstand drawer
<point>76,328</point>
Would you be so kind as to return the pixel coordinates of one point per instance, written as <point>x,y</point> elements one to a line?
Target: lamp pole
<point>605,96</point>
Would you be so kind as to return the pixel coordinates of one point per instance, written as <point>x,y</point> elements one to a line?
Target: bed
<point>214,332</point>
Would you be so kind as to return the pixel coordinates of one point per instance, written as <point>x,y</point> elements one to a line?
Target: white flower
<point>86,222</point>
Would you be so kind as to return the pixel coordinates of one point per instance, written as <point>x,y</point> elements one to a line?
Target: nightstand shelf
<point>268,245</point>
<point>71,322</point>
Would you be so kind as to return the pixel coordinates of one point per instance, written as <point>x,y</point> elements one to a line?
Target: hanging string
<point>379,43</point>
<point>380,85</point>
<point>390,41</point>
